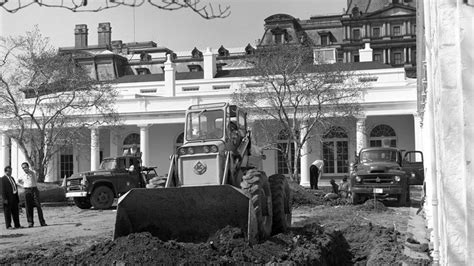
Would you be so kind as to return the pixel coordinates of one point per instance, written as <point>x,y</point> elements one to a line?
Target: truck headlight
<point>213,148</point>
<point>68,183</point>
<point>190,150</point>
<point>358,179</point>
<point>397,178</point>
<point>182,151</point>
<point>206,149</point>
<point>413,175</point>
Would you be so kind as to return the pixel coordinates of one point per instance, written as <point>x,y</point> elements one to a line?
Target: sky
<point>179,30</point>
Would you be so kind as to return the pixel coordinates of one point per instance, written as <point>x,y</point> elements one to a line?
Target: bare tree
<point>291,96</point>
<point>46,100</point>
<point>205,10</point>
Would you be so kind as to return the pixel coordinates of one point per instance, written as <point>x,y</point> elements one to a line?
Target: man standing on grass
<point>10,199</point>
<point>29,182</point>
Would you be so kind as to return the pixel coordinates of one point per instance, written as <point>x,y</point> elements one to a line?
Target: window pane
<point>66,165</point>
<point>342,157</point>
<point>328,157</point>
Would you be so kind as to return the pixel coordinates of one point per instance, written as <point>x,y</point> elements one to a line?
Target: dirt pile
<point>373,205</point>
<point>309,245</point>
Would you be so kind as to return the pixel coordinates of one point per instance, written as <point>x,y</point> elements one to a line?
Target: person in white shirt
<point>10,199</point>
<point>315,172</point>
<point>29,182</point>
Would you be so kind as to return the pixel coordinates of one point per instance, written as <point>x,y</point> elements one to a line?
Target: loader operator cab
<point>215,121</point>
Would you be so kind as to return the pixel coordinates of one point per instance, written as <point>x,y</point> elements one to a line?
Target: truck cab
<point>115,176</point>
<point>383,172</point>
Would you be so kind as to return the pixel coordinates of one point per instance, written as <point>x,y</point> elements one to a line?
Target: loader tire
<point>255,184</point>
<point>83,203</point>
<point>281,203</point>
<point>102,197</point>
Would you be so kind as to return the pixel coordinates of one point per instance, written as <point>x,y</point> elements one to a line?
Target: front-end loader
<point>215,180</point>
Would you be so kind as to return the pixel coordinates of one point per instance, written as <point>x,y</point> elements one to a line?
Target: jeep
<point>115,176</point>
<point>381,172</point>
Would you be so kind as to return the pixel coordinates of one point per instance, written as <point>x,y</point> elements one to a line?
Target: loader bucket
<point>185,214</point>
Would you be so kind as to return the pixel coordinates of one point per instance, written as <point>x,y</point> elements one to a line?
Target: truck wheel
<point>281,203</point>
<point>354,198</point>
<point>102,197</point>
<point>255,185</point>
<point>82,202</point>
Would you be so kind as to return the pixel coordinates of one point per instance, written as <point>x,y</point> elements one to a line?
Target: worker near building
<point>30,182</point>
<point>315,173</point>
<point>10,199</point>
<point>344,188</point>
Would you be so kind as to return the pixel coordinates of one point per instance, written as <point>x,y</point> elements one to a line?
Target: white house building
<point>151,108</point>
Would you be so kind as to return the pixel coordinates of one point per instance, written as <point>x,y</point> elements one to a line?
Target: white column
<point>388,56</point>
<point>305,163</point>
<point>384,30</point>
<point>409,55</point>
<point>52,174</point>
<point>404,28</point>
<point>417,132</point>
<point>405,55</point>
<point>4,152</point>
<point>95,149</point>
<point>384,55</point>
<point>144,144</point>
<point>113,142</point>
<point>361,137</point>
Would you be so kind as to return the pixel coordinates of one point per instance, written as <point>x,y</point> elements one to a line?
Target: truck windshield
<point>205,124</point>
<point>378,156</point>
<point>108,164</point>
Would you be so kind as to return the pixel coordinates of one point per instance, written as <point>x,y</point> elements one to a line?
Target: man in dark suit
<point>10,199</point>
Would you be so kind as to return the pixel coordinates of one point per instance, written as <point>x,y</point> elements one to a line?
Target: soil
<point>324,232</point>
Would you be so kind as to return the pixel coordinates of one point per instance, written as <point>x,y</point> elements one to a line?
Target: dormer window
<point>195,53</point>
<point>194,68</point>
<point>145,57</point>
<point>249,50</point>
<point>222,51</point>
<point>279,35</point>
<point>356,34</point>
<point>143,71</point>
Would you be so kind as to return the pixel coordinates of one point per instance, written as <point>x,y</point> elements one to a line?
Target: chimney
<point>105,34</point>
<point>170,77</point>
<point>210,67</point>
<point>365,55</point>
<point>80,33</point>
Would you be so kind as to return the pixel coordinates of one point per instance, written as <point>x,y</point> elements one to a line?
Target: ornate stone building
<point>157,84</point>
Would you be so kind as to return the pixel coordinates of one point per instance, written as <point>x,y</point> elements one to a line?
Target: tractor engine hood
<point>378,167</point>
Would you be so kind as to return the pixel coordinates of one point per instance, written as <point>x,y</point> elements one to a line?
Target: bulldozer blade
<point>185,214</point>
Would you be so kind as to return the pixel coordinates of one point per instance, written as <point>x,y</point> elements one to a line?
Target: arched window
<point>129,141</point>
<point>383,135</point>
<point>282,167</point>
<point>336,151</point>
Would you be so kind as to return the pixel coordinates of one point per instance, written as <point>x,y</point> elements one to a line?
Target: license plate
<point>378,190</point>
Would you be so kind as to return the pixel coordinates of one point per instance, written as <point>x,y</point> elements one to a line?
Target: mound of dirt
<point>373,205</point>
<point>309,245</point>
<point>302,196</point>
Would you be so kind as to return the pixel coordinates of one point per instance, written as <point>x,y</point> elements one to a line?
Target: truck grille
<point>377,179</point>
<point>75,185</point>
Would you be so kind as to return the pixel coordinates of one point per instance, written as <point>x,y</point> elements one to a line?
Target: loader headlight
<point>397,178</point>
<point>213,148</point>
<point>358,179</point>
<point>206,149</point>
<point>68,183</point>
<point>190,150</point>
<point>413,175</point>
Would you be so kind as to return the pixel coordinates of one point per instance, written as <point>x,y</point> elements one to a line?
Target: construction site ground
<point>323,232</point>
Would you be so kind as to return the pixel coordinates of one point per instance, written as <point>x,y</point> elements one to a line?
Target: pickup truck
<point>115,177</point>
<point>381,172</point>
